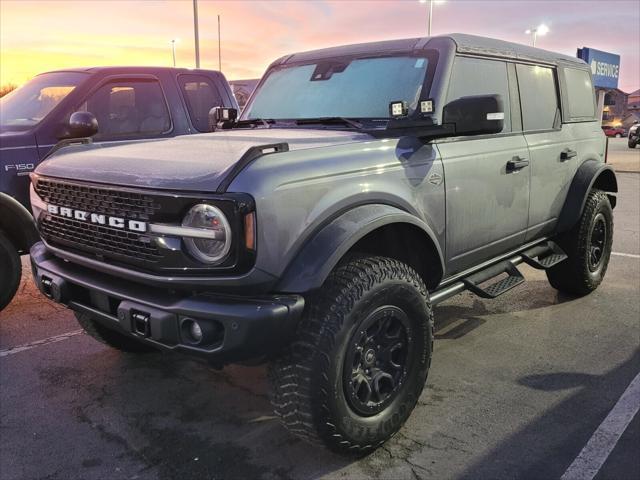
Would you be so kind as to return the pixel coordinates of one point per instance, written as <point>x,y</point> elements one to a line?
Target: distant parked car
<point>634,135</point>
<point>123,103</point>
<point>617,132</point>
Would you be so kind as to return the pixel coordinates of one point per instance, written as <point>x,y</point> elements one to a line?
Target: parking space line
<point>629,255</point>
<point>604,439</point>
<point>28,346</point>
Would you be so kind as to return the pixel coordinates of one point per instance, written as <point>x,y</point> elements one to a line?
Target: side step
<point>513,279</point>
<point>544,256</point>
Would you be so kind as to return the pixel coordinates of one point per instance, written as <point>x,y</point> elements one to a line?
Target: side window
<point>475,76</point>
<point>580,94</point>
<point>538,96</point>
<point>131,107</point>
<point>201,96</point>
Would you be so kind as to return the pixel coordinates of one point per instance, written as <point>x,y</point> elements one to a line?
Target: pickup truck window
<point>26,106</point>
<point>129,107</point>
<point>475,76</point>
<point>201,96</point>
<point>539,97</point>
<point>358,88</point>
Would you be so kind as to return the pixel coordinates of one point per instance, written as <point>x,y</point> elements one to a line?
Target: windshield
<point>28,105</point>
<point>360,88</point>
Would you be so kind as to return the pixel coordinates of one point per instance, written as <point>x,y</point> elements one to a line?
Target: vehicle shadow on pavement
<point>172,418</point>
<point>567,427</point>
<point>455,319</point>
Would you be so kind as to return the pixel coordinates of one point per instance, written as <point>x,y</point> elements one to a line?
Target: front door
<point>487,177</point>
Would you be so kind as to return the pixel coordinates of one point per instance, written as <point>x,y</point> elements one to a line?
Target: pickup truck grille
<point>131,205</point>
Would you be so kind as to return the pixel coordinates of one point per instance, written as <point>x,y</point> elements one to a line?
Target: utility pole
<point>195,32</point>
<point>219,47</point>
<point>173,51</point>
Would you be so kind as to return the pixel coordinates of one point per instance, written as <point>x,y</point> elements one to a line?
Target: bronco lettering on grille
<point>115,222</point>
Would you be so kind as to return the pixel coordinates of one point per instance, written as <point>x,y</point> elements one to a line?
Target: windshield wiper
<point>265,122</point>
<point>330,121</point>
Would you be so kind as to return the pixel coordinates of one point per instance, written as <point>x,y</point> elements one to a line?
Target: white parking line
<point>604,439</point>
<point>629,255</point>
<point>28,346</point>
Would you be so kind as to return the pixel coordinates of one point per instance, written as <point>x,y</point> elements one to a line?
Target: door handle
<point>516,163</point>
<point>567,153</point>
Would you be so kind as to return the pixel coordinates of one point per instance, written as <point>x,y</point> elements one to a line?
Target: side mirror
<point>82,125</point>
<point>475,115</point>
<point>221,116</point>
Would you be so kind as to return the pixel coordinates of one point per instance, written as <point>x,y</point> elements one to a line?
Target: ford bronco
<point>361,186</point>
<point>124,103</point>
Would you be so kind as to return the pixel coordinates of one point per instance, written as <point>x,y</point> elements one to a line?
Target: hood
<point>187,163</point>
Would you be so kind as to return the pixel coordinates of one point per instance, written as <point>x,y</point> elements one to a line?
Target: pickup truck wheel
<point>11,269</point>
<point>632,143</point>
<point>588,245</point>
<point>358,365</point>
<point>110,337</point>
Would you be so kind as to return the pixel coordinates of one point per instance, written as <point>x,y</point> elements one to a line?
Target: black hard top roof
<point>464,43</point>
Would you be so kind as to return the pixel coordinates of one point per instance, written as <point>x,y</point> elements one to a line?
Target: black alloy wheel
<point>376,364</point>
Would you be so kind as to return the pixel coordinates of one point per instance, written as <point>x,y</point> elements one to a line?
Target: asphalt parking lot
<point>517,389</point>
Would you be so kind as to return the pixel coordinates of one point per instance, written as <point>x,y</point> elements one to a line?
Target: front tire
<point>359,363</point>
<point>109,337</point>
<point>588,245</point>
<point>632,143</point>
<point>10,270</point>
<point>618,135</point>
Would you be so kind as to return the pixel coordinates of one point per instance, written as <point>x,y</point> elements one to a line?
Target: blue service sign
<point>605,66</point>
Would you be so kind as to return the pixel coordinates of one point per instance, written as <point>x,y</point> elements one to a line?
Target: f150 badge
<point>98,219</point>
<point>20,168</point>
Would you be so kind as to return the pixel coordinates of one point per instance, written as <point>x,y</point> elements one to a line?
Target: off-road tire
<point>576,275</point>
<point>308,386</point>
<point>10,270</point>
<point>632,144</point>
<point>109,337</point>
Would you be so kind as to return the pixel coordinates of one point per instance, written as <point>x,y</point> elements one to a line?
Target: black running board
<point>542,256</point>
<point>512,280</point>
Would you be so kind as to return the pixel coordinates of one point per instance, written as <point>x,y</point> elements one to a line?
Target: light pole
<point>541,29</point>
<point>173,50</point>
<point>195,32</point>
<point>430,2</point>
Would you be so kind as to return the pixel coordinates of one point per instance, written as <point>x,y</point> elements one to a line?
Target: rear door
<point>487,201</point>
<point>547,138</point>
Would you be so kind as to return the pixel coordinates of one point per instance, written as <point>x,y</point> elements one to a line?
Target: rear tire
<point>358,365</point>
<point>588,245</point>
<point>632,144</point>
<point>10,270</point>
<point>109,337</point>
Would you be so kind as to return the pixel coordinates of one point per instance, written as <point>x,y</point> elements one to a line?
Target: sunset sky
<point>37,36</point>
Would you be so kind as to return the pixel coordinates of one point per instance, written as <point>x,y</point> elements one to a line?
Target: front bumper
<point>235,328</point>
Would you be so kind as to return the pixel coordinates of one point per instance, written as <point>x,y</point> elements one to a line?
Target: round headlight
<point>214,242</point>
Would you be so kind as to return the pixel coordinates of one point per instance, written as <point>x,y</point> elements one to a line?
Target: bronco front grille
<point>118,203</point>
<point>101,240</point>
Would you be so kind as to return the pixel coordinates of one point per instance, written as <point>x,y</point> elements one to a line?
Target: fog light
<point>195,331</point>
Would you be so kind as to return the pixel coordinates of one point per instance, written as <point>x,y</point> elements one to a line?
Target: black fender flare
<point>321,253</point>
<point>591,174</point>
<point>17,223</point>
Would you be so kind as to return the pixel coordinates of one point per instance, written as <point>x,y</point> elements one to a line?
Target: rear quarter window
<point>580,94</point>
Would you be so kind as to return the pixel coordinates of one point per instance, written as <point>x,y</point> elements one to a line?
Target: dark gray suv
<point>361,186</point>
